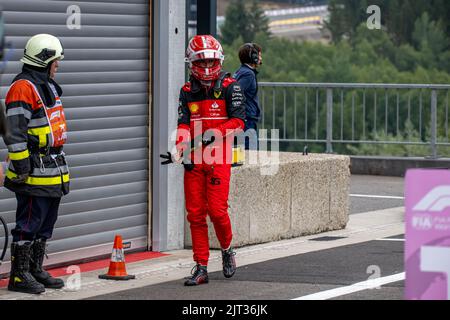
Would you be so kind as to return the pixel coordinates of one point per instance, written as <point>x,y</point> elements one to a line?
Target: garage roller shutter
<point>105,80</point>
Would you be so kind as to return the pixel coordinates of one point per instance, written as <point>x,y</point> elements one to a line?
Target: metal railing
<point>357,113</point>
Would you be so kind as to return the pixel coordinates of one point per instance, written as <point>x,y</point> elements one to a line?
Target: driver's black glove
<point>167,157</point>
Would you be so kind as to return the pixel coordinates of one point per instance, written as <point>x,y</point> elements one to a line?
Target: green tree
<point>258,22</point>
<point>243,21</point>
<point>398,17</point>
<point>429,33</point>
<point>345,17</point>
<point>430,39</point>
<point>373,56</point>
<point>336,23</point>
<point>236,22</point>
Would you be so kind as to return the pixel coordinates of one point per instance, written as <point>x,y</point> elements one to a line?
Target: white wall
<point>168,78</point>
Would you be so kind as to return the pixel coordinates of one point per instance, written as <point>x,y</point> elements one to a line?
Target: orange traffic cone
<point>117,269</point>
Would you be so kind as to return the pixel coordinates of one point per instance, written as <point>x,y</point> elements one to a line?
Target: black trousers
<point>252,144</point>
<point>35,217</point>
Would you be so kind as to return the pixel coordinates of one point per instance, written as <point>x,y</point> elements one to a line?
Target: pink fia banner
<point>427,246</point>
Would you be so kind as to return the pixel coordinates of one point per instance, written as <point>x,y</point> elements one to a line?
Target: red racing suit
<point>206,187</point>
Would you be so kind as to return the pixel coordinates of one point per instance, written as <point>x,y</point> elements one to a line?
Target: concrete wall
<point>168,77</point>
<point>177,47</point>
<point>308,195</point>
<point>393,166</point>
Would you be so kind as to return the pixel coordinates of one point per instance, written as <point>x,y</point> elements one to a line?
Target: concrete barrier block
<point>270,217</point>
<point>310,200</point>
<point>339,192</point>
<point>306,195</point>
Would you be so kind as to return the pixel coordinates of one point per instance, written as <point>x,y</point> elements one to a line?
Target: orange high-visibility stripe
<point>22,91</point>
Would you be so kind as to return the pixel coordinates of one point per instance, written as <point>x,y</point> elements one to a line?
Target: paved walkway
<point>285,269</point>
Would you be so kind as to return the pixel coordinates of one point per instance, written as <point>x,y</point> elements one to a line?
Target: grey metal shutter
<point>105,80</point>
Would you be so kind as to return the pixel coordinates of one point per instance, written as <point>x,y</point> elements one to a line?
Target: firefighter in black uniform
<point>37,172</point>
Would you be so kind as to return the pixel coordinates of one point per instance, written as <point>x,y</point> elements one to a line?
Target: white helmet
<point>42,49</point>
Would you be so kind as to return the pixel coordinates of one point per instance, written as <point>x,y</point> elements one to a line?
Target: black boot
<point>20,279</point>
<point>199,276</point>
<point>37,259</point>
<point>228,262</point>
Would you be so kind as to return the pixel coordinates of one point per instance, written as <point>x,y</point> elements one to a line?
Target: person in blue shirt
<point>250,55</point>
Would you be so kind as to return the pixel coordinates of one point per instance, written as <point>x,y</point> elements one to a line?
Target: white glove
<point>177,155</point>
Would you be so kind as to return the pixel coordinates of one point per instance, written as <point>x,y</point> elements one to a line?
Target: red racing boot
<point>228,262</point>
<point>199,276</point>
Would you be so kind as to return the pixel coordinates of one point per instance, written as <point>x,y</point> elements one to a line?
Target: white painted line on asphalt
<point>360,286</point>
<point>375,196</point>
<point>389,239</point>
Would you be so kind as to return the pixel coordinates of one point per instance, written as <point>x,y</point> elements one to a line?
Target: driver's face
<point>206,63</point>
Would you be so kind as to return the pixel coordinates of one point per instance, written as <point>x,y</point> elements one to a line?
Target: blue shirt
<point>246,77</point>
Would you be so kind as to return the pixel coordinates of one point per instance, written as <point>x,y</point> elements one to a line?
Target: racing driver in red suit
<point>211,112</point>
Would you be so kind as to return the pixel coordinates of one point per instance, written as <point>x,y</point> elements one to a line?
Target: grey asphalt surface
<point>307,273</point>
<point>375,185</point>
<point>290,277</point>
